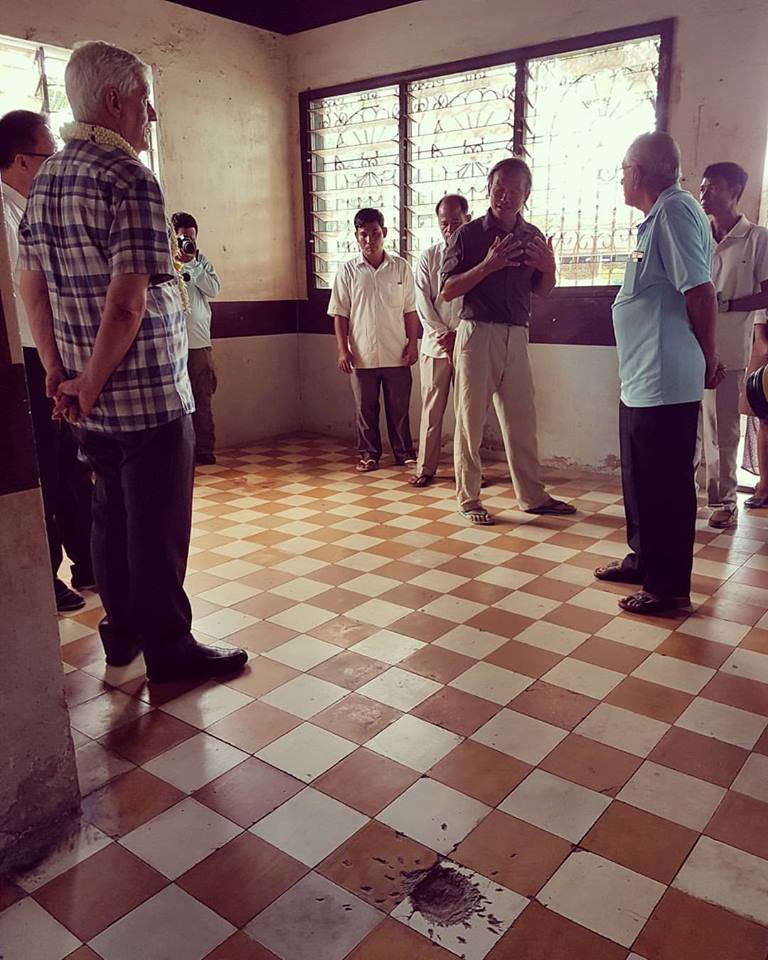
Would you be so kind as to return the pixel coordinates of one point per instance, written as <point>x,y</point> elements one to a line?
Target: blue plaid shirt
<point>95,213</point>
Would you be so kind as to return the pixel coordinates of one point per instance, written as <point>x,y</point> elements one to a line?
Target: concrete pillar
<point>38,782</point>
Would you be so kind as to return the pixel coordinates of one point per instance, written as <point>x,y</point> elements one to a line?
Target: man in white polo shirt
<point>373,305</point>
<point>740,275</point>
<point>439,321</point>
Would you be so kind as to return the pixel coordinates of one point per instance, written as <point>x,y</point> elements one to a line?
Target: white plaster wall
<point>577,413</point>
<point>258,393</point>
<point>577,405</point>
<point>226,153</point>
<point>720,58</point>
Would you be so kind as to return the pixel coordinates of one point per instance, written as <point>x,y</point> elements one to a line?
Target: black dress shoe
<point>67,600</point>
<point>199,662</point>
<point>120,646</point>
<point>120,656</point>
<point>82,577</point>
<point>205,459</point>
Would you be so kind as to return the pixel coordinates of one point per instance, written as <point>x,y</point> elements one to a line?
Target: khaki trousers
<point>436,378</point>
<point>491,363</point>
<point>721,429</point>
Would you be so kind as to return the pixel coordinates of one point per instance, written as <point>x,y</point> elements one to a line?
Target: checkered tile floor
<point>595,785</point>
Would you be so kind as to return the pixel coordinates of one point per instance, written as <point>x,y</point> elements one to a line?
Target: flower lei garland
<point>111,138</point>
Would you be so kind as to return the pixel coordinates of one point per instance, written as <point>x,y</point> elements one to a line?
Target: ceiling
<point>290,16</point>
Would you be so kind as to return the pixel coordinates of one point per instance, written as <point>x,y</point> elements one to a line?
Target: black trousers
<point>142,520</point>
<point>657,452</point>
<point>395,383</point>
<point>65,481</point>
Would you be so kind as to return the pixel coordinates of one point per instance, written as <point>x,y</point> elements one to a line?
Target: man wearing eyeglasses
<point>664,321</point>
<point>25,143</point>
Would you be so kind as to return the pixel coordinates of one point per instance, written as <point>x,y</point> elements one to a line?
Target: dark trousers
<point>142,519</point>
<point>395,383</point>
<point>65,481</point>
<point>202,376</point>
<point>657,452</point>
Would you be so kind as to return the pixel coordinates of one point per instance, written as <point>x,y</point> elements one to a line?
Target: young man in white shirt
<point>203,284</point>
<point>373,305</point>
<point>439,321</point>
<point>740,276</point>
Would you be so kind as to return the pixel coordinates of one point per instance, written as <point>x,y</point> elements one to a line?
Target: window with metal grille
<point>584,109</point>
<point>456,124</point>
<point>570,108</point>
<point>354,163</point>
<point>32,78</point>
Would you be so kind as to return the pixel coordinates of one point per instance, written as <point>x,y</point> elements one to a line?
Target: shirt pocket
<point>393,294</point>
<point>632,274</point>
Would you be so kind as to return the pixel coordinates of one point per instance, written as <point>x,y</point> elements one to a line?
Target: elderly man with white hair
<point>664,321</point>
<point>105,308</point>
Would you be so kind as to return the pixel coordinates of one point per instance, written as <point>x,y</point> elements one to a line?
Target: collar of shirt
<point>360,261</point>
<point>15,204</point>
<point>653,212</point>
<point>13,197</point>
<point>492,225</point>
<point>738,231</point>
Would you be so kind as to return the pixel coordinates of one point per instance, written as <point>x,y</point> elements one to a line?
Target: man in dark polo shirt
<point>495,263</point>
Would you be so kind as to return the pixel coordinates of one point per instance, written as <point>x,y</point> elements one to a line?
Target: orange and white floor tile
<point>448,742</point>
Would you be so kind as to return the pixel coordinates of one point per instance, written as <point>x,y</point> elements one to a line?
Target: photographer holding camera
<point>203,284</point>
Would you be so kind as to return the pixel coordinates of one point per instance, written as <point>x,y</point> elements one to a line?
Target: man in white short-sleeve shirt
<point>373,304</point>
<point>740,276</point>
<point>439,320</point>
<point>26,142</point>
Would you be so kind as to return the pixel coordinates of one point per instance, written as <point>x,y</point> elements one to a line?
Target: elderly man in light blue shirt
<point>664,322</point>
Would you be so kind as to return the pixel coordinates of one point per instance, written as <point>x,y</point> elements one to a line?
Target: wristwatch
<point>723,304</point>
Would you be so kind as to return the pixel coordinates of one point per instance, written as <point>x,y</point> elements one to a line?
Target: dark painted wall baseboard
<point>253,318</point>
<point>574,316</point>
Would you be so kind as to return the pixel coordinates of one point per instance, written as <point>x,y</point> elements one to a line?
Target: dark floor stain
<point>445,898</point>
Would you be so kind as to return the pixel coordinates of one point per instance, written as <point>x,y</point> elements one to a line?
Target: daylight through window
<point>32,78</point>
<point>571,115</point>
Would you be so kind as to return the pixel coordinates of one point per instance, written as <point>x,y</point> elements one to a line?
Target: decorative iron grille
<point>583,111</point>
<point>403,145</point>
<point>458,126</point>
<point>354,144</point>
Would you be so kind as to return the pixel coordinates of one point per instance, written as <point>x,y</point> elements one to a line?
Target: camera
<point>187,246</point>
